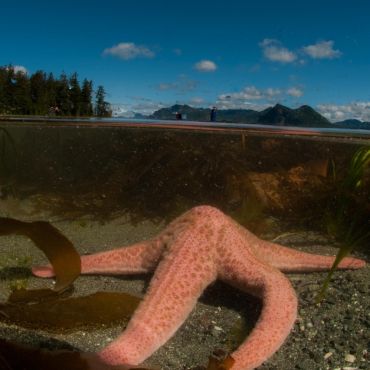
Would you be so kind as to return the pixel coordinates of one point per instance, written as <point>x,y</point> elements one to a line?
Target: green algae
<point>347,220</point>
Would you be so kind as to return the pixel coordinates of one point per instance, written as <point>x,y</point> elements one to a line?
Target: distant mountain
<point>203,114</point>
<point>303,116</point>
<point>278,115</point>
<point>189,113</point>
<point>353,124</point>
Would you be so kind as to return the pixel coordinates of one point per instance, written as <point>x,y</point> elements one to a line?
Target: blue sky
<point>237,54</point>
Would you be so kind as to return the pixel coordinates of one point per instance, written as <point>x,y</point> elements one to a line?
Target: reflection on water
<point>257,129</point>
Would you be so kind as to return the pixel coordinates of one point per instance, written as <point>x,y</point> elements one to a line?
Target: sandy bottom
<point>332,335</point>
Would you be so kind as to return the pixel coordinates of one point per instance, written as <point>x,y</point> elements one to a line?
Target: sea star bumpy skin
<point>195,249</point>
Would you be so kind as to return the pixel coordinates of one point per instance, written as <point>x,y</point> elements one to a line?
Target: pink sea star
<point>194,250</point>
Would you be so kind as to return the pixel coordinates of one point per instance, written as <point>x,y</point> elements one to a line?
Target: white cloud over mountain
<point>252,97</point>
<point>340,112</point>
<point>257,100</point>
<point>295,92</point>
<point>129,50</point>
<point>147,106</point>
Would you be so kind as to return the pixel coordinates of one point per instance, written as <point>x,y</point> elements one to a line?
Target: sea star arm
<point>290,260</point>
<point>135,259</point>
<point>277,318</point>
<point>174,290</point>
<point>239,267</point>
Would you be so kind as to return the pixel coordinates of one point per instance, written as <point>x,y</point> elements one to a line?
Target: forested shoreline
<point>42,93</point>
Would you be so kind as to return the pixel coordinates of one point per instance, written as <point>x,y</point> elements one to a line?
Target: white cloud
<point>275,52</point>
<point>248,93</point>
<point>129,50</point>
<point>166,86</point>
<point>295,92</point>
<point>205,66</point>
<point>20,69</point>
<point>147,106</point>
<point>252,93</point>
<point>182,85</point>
<point>243,98</point>
<point>253,98</point>
<point>197,101</point>
<point>272,93</point>
<point>230,102</point>
<point>322,50</point>
<point>338,112</point>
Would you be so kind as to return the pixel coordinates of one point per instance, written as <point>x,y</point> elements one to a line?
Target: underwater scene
<point>232,220</point>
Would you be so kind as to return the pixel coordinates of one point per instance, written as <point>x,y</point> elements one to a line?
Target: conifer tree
<point>75,95</point>
<point>62,95</point>
<point>22,93</point>
<point>42,94</point>
<point>51,88</point>
<point>8,90</point>
<point>101,107</point>
<point>2,89</point>
<point>86,98</point>
<point>39,95</point>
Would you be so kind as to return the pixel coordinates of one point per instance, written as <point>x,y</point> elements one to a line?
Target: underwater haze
<point>110,184</point>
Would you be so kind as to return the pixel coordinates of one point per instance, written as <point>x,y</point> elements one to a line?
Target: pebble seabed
<point>332,335</point>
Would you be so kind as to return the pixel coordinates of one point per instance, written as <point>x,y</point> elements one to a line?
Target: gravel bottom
<point>331,335</point>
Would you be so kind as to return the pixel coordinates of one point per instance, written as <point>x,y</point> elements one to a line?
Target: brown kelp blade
<point>59,315</point>
<point>58,249</point>
<point>32,295</point>
<point>216,364</point>
<point>14,356</point>
<point>218,361</point>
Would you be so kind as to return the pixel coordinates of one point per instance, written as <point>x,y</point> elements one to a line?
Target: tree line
<point>43,94</point>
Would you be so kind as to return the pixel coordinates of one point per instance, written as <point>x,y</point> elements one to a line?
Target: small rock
<point>327,355</point>
<point>349,358</point>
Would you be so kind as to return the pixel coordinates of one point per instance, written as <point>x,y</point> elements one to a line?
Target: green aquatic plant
<point>17,276</point>
<point>359,163</point>
<point>18,284</point>
<point>347,219</point>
